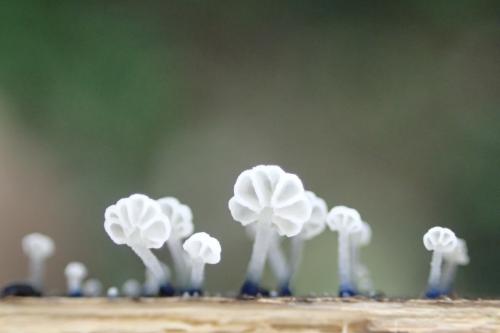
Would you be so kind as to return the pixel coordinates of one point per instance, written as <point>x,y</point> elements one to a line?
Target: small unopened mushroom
<point>346,221</point>
<point>92,288</point>
<point>441,241</point>
<point>181,220</point>
<point>312,228</point>
<point>131,288</point>
<point>38,248</point>
<point>457,257</point>
<point>138,221</point>
<point>112,292</point>
<point>360,272</point>
<point>75,273</point>
<point>276,201</point>
<point>202,249</point>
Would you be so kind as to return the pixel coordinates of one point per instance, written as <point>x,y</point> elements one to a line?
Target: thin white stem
<point>296,250</point>
<point>179,258</point>
<point>260,250</point>
<point>354,260</point>
<point>344,261</point>
<point>278,262</point>
<point>150,261</point>
<point>74,284</point>
<point>435,273</point>
<point>36,272</point>
<point>197,274</point>
<point>448,276</point>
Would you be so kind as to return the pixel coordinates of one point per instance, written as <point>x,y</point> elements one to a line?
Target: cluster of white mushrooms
<point>272,205</point>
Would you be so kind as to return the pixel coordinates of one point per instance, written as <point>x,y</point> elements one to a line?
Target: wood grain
<point>60,315</point>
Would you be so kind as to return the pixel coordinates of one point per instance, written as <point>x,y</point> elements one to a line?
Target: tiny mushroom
<point>138,221</point>
<point>459,256</point>
<point>441,241</point>
<point>346,221</point>
<point>75,273</point>
<point>38,248</point>
<point>202,249</point>
<point>181,220</point>
<point>132,288</point>
<point>276,201</point>
<point>92,288</point>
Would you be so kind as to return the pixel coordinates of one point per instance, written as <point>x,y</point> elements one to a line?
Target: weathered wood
<point>228,315</point>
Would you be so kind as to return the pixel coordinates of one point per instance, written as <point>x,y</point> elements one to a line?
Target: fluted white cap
<point>75,270</point>
<point>180,216</point>
<point>201,246</point>
<point>37,245</point>
<point>440,239</point>
<point>344,219</point>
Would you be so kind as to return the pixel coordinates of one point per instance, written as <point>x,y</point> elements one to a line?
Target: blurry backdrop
<point>389,107</point>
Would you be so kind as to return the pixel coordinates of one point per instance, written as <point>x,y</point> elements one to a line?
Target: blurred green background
<point>390,107</point>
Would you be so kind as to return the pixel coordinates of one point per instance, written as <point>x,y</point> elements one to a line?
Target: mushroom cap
<point>317,222</point>
<point>132,288</point>
<point>37,245</point>
<point>180,216</point>
<point>266,192</point>
<point>363,236</point>
<point>201,246</point>
<point>75,269</point>
<point>344,219</point>
<point>137,220</point>
<point>460,254</point>
<point>440,239</point>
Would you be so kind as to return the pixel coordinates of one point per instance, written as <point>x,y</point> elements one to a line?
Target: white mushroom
<point>75,273</point>
<point>92,288</point>
<point>181,220</point>
<point>346,221</point>
<point>38,248</point>
<point>139,222</point>
<point>202,249</point>
<point>112,292</point>
<point>275,200</point>
<point>459,256</point>
<point>312,228</point>
<point>131,288</point>
<point>441,241</point>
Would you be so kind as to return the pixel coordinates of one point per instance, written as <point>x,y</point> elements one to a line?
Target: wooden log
<point>100,315</point>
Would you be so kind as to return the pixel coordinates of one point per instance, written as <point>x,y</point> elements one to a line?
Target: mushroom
<point>38,248</point>
<point>131,288</point>
<point>153,286</point>
<point>181,221</point>
<point>459,256</point>
<point>360,272</point>
<point>441,241</point>
<point>202,249</point>
<point>346,221</point>
<point>312,228</point>
<point>75,273</point>
<point>112,292</point>
<point>138,221</point>
<point>92,288</point>
<point>276,201</point>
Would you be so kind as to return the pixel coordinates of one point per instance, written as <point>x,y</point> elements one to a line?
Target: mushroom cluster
<point>276,201</point>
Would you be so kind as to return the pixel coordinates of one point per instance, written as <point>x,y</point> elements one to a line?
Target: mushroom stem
<point>435,273</point>
<point>149,260</point>
<point>197,274</point>
<point>448,276</point>
<point>179,258</point>
<point>296,249</point>
<point>278,263</point>
<point>36,271</point>
<point>262,242</point>
<point>344,262</point>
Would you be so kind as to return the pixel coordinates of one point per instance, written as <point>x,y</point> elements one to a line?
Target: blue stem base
<point>77,293</point>
<point>433,294</point>
<point>347,292</point>
<point>285,291</point>
<point>194,292</point>
<point>166,290</point>
<point>250,288</point>
<point>20,290</point>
